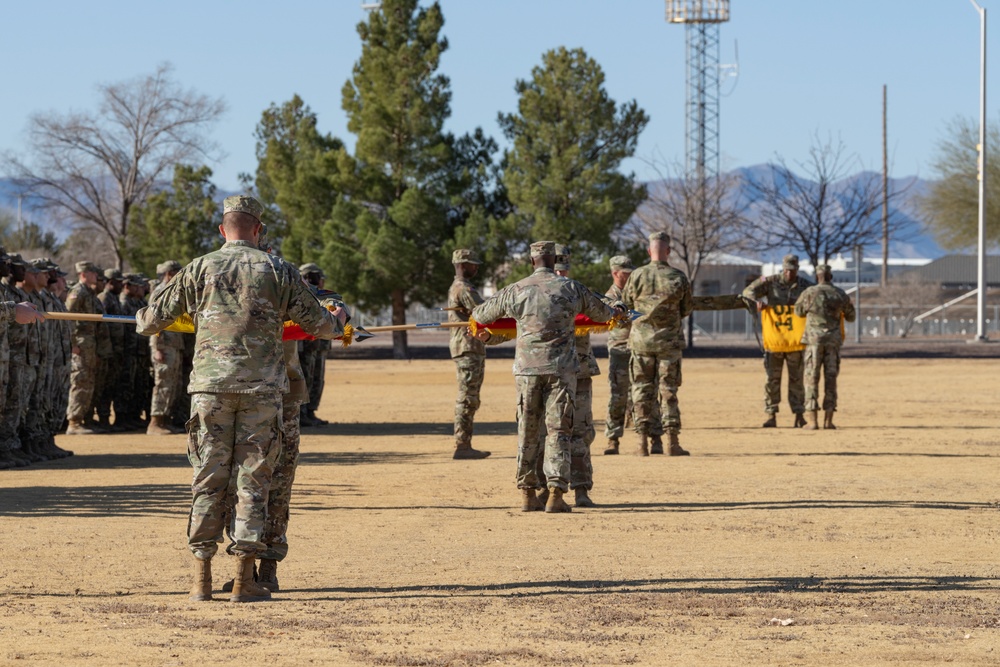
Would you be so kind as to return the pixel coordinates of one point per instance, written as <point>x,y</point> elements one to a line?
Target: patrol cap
<point>243,204</point>
<point>543,248</point>
<point>86,266</point>
<point>167,267</point>
<point>823,268</point>
<point>464,256</point>
<point>38,266</point>
<point>790,262</point>
<point>113,274</point>
<point>53,267</point>
<point>562,257</point>
<point>310,268</point>
<point>621,263</point>
<point>659,236</point>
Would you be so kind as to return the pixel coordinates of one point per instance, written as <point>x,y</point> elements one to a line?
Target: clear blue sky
<point>805,66</point>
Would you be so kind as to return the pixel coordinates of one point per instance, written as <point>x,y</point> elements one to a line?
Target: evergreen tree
<point>561,174</point>
<point>179,223</point>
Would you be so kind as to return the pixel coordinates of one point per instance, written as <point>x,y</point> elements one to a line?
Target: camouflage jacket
<point>240,298</point>
<point>129,307</point>
<point>822,306</point>
<point>618,337</point>
<point>298,392</point>
<point>663,295</point>
<point>82,299</point>
<point>112,306</point>
<point>585,358</point>
<point>464,297</point>
<point>38,334</point>
<point>776,290</point>
<point>165,340</point>
<point>61,331</point>
<point>7,322</point>
<point>545,306</point>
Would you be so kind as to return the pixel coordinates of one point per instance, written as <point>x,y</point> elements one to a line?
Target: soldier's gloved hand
<point>341,314</point>
<point>332,304</point>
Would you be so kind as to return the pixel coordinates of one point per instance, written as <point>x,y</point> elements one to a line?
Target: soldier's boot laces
<point>656,444</point>
<point>772,421</point>
<point>556,502</point>
<point>812,417</point>
<point>800,420</point>
<point>76,427</point>
<point>530,502</point>
<point>675,447</point>
<point>582,499</point>
<point>828,420</point>
<point>267,574</point>
<point>467,452</point>
<point>643,446</point>
<point>612,447</point>
<point>245,589</point>
<point>228,586</point>
<point>201,589</point>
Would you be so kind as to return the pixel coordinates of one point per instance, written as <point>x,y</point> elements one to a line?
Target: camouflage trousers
<point>656,378</point>
<point>33,428</point>
<point>9,396</point>
<point>581,471</point>
<point>231,435</point>
<point>280,495</point>
<point>774,362</point>
<point>469,371</point>
<point>82,378</point>
<point>58,396</point>
<point>313,360</point>
<point>109,387</point>
<point>544,401</point>
<point>620,399</point>
<point>825,357</point>
<point>166,383</point>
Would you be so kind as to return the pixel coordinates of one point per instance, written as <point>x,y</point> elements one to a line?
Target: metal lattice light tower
<point>701,19</point>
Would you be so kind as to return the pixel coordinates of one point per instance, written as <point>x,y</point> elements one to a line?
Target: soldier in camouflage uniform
<point>61,342</point>
<point>105,357</point>
<point>313,354</point>
<point>663,294</point>
<point>33,427</point>
<point>83,299</point>
<point>780,291</point>
<point>12,314</point>
<point>468,353</point>
<point>137,383</point>
<point>112,375</point>
<point>545,306</point>
<point>167,350</point>
<point>823,306</point>
<point>236,384</point>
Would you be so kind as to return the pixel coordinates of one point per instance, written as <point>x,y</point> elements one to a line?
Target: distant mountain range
<point>916,244</point>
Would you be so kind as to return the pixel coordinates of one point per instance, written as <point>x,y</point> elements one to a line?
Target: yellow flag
<point>782,329</point>
<point>183,324</point>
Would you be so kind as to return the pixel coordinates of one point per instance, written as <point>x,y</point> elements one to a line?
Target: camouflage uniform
<point>83,371</point>
<point>663,294</point>
<point>18,374</point>
<point>545,364</point>
<point>62,336</point>
<point>822,306</point>
<point>33,431</point>
<point>167,369</point>
<point>7,309</point>
<point>238,378</point>
<point>114,366</point>
<point>137,385</point>
<point>781,295</point>
<point>468,353</point>
<point>312,357</point>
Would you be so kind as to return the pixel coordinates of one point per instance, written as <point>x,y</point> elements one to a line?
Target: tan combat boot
<point>556,502</point>
<point>158,426</point>
<point>800,420</point>
<point>245,589</point>
<point>76,427</point>
<point>530,502</point>
<point>828,420</point>
<point>812,417</point>
<point>612,447</point>
<point>656,444</point>
<point>771,422</point>
<point>582,499</point>
<point>201,590</point>
<point>465,451</point>
<point>267,574</point>
<point>643,446</point>
<point>675,446</point>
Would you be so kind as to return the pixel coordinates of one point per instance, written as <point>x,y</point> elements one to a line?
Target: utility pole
<point>885,186</point>
<point>981,296</point>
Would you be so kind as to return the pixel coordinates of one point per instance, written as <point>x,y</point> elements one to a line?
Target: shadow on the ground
<point>443,429</point>
<point>705,586</point>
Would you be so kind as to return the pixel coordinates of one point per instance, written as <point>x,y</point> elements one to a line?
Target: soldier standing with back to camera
<point>780,292</point>
<point>823,306</point>
<point>663,295</point>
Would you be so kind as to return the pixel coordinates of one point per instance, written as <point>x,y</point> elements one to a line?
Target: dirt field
<point>879,541</point>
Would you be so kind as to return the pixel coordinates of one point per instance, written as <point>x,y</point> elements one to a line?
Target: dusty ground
<point>879,540</point>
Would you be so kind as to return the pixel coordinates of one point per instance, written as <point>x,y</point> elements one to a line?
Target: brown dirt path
<point>879,540</point>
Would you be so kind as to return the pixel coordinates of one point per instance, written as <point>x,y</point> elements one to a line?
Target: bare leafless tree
<point>703,217</point>
<point>830,208</point>
<point>92,168</point>
<point>908,296</point>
